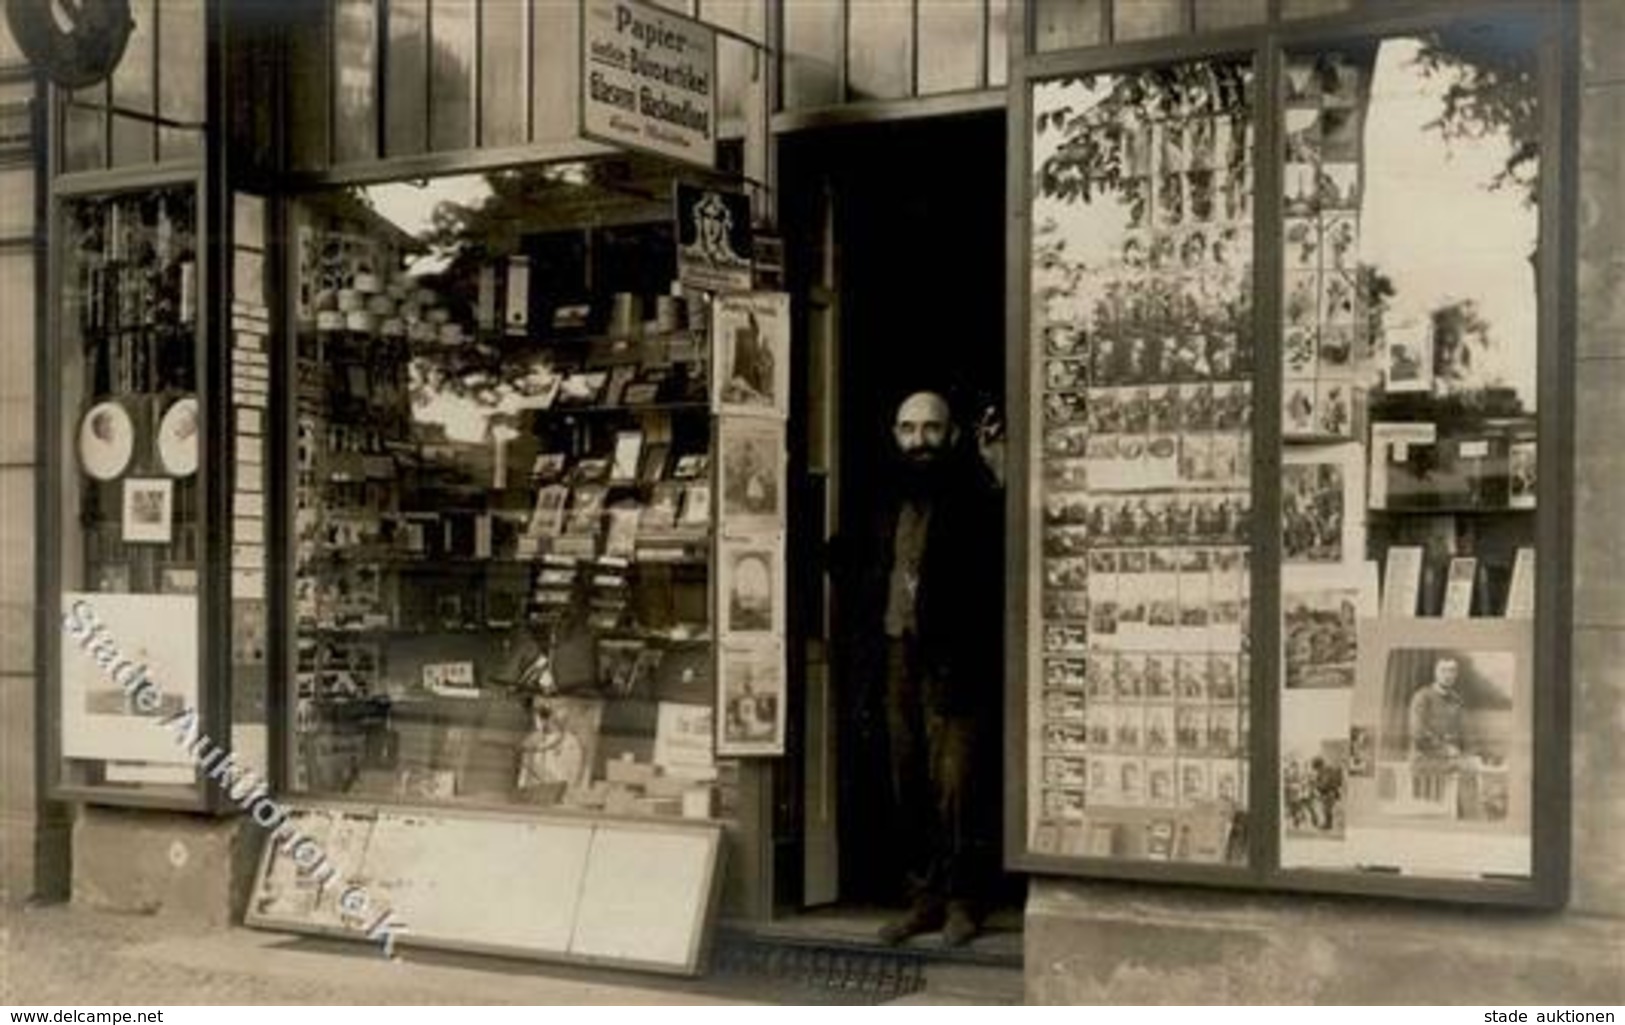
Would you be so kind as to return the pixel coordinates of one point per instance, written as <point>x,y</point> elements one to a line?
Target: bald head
<point>923,429</point>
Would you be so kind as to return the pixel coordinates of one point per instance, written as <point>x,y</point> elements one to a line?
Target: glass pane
<point>84,129</point>
<point>501,561</point>
<point>880,50</point>
<point>451,74</point>
<point>1141,330</point>
<point>812,54</point>
<point>557,71</point>
<point>10,52</point>
<point>1146,19</point>
<point>180,77</point>
<point>406,94</point>
<point>503,99</point>
<point>355,56</point>
<point>309,57</point>
<point>1217,14</point>
<point>1408,418</point>
<point>131,426</point>
<point>998,42</point>
<point>134,137</point>
<point>736,61</point>
<point>1064,24</point>
<point>1311,8</point>
<point>951,40</point>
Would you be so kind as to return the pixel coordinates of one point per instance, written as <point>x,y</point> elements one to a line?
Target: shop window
<point>129,494</point>
<point>1409,428</point>
<point>1395,452</point>
<point>1142,287</point>
<point>501,541</point>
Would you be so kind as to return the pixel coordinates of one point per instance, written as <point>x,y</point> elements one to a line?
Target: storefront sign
<point>648,80</point>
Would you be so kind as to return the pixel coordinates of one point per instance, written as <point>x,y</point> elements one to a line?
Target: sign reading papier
<point>648,80</point>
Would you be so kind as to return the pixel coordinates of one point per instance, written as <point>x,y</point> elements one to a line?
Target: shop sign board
<point>648,80</point>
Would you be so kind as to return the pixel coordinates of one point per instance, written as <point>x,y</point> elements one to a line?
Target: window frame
<point>1556,54</point>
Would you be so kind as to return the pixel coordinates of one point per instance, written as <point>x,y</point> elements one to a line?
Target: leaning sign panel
<point>648,80</point>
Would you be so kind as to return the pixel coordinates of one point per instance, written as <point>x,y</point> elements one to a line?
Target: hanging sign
<point>648,80</point>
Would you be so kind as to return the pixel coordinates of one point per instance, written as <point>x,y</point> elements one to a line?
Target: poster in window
<point>149,510</point>
<point>753,475</point>
<point>752,698</point>
<point>111,643</point>
<point>751,586</point>
<point>1446,705</point>
<point>750,338</point>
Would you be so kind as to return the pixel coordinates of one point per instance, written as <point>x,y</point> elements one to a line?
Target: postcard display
<point>130,491</point>
<point>1143,356</point>
<point>1405,710</point>
<point>518,612</point>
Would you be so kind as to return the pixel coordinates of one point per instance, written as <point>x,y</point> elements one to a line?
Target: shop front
<point>442,473</point>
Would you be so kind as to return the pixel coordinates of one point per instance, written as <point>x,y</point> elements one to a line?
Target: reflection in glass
<point>355,129</point>
<point>1409,364</point>
<point>406,90</point>
<point>502,68</point>
<point>451,74</point>
<point>880,50</point>
<point>951,41</point>
<point>180,78</point>
<point>133,137</point>
<point>812,54</point>
<point>1142,351</point>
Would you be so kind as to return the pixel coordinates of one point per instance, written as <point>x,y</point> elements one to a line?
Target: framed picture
<point>1407,353</point>
<point>696,514</point>
<point>149,512</point>
<point>753,475</point>
<point>751,695</point>
<point>750,338</point>
<point>751,590</point>
<point>106,440</point>
<point>1444,710</point>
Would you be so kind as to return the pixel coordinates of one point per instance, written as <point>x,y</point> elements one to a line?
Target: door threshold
<point>857,928</point>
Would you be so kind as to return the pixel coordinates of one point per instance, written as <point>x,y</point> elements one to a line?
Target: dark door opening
<point>912,220</point>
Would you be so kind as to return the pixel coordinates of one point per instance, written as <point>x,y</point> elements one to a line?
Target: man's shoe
<point>920,918</point>
<point>960,927</point>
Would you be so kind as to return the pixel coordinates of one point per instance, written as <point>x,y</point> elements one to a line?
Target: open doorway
<point>911,219</point>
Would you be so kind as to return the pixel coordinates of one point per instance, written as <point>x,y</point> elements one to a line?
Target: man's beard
<point>920,474</point>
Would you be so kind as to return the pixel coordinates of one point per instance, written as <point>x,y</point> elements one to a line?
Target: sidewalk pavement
<point>64,956</point>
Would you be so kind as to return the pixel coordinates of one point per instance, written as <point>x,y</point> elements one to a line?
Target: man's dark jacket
<point>960,611</point>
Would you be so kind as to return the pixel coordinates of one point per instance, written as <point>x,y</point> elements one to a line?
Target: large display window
<point>1281,496</point>
<point>130,483</point>
<point>503,520</point>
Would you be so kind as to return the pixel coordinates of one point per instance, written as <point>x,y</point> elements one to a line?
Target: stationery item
<point>1458,593</point>
<point>1521,592</point>
<point>628,452</point>
<point>1402,581</point>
